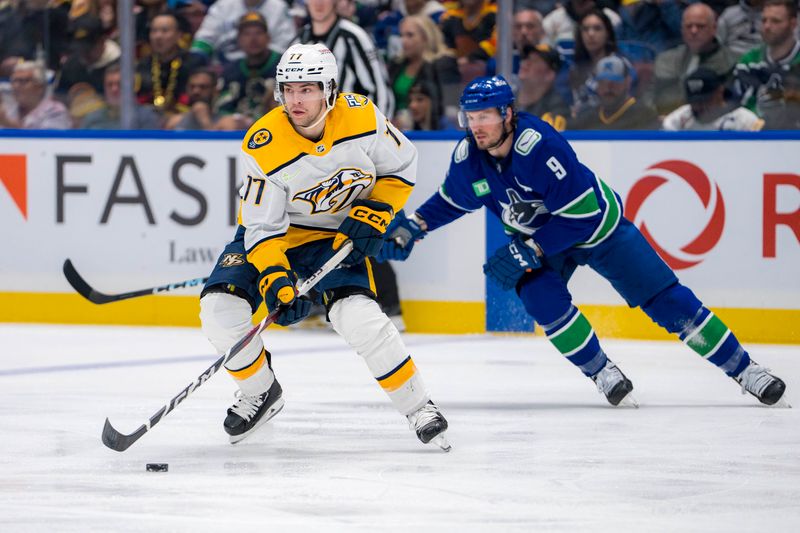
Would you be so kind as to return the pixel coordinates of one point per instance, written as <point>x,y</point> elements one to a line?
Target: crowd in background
<point>578,64</point>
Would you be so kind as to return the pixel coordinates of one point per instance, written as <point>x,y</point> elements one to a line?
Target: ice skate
<point>250,412</point>
<point>430,425</point>
<point>758,381</point>
<point>615,386</point>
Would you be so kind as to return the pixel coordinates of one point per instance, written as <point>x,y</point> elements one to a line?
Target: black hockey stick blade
<point>120,442</point>
<point>84,289</point>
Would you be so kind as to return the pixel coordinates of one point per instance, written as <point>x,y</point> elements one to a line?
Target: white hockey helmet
<point>308,62</point>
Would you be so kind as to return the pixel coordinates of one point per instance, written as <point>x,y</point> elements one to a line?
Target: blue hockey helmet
<point>485,93</point>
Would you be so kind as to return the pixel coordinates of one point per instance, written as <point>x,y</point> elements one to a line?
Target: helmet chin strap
<point>328,108</point>
<point>503,137</point>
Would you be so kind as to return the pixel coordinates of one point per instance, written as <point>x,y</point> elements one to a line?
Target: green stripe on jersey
<point>611,217</point>
<point>583,206</point>
<point>707,337</point>
<point>572,336</point>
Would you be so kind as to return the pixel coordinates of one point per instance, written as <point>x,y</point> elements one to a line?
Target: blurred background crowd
<point>578,64</point>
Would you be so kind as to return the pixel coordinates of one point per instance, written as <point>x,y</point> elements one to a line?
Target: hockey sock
<point>679,311</point>
<point>573,336</point>
<point>707,335</point>
<point>360,321</point>
<point>226,318</point>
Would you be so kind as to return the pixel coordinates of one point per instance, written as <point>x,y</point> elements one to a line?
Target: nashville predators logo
<point>258,139</point>
<point>231,260</point>
<point>337,192</point>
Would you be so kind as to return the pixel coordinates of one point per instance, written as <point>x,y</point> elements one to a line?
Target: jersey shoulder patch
<point>272,141</point>
<point>461,152</point>
<point>527,140</point>
<point>354,115</point>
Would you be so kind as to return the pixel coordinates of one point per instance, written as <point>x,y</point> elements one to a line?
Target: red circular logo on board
<point>708,194</point>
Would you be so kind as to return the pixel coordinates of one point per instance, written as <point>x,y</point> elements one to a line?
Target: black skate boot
<point>614,385</point>
<point>430,425</point>
<point>250,412</point>
<point>758,381</point>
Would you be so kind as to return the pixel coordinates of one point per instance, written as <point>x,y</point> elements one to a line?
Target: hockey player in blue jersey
<point>559,216</point>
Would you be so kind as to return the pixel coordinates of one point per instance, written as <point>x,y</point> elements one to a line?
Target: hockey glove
<point>276,285</point>
<point>510,262</point>
<point>401,235</point>
<point>365,225</point>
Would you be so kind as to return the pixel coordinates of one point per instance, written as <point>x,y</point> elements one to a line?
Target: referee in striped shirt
<point>361,69</point>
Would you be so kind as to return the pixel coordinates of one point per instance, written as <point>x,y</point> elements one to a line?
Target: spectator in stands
<point>217,34</point>
<point>193,12</point>
<point>248,84</point>
<point>700,48</point>
<point>594,40</point>
<point>739,26</point>
<point>648,28</point>
<point>424,57</point>
<point>161,76</point>
<point>469,31</point>
<point>542,6</point>
<point>425,108</point>
<point>759,73</point>
<point>387,28</point>
<point>108,116</point>
<point>144,12</point>
<point>784,113</point>
<point>561,24</point>
<point>617,108</point>
<point>361,70</point>
<point>91,54</point>
<point>23,27</point>
<point>527,30</point>
<point>107,13</point>
<point>32,108</point>
<point>202,91</point>
<point>537,94</point>
<point>710,107</point>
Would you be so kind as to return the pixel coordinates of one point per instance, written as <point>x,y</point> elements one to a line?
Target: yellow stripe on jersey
<point>273,142</point>
<point>391,190</point>
<point>249,370</point>
<point>272,252</point>
<point>398,377</point>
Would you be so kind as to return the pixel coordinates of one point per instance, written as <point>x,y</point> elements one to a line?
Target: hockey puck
<point>157,467</point>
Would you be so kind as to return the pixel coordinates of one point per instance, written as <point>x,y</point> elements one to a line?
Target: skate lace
<point>422,417</point>
<point>755,378</point>
<point>607,378</point>
<point>247,406</point>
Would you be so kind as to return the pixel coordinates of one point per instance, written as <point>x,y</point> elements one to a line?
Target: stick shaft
<point>121,442</point>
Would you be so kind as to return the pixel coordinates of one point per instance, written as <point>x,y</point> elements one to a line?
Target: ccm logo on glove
<point>378,220</point>
<point>515,253</point>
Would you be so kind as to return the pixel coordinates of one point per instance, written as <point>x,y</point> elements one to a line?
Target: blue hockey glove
<point>510,262</point>
<point>401,235</point>
<point>365,225</point>
<point>276,285</point>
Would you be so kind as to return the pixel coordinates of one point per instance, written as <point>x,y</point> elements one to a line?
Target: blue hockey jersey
<point>539,189</point>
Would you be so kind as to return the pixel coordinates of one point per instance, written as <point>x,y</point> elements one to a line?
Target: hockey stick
<point>121,442</point>
<point>96,297</point>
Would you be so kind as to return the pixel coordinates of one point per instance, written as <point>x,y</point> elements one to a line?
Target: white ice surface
<point>535,447</point>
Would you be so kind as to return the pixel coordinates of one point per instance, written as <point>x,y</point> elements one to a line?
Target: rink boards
<point>135,211</point>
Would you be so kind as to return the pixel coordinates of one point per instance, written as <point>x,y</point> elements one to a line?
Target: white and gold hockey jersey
<point>297,191</point>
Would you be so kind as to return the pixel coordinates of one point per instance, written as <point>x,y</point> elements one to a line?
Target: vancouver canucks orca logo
<point>337,192</point>
<point>525,216</point>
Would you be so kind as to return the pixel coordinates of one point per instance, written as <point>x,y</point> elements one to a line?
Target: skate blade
<point>441,441</point>
<point>629,401</point>
<point>782,403</point>
<point>273,410</point>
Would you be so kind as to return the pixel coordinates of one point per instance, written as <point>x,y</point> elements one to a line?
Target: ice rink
<point>535,447</point>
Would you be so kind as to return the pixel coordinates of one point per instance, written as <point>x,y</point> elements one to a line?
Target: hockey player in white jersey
<point>321,169</point>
